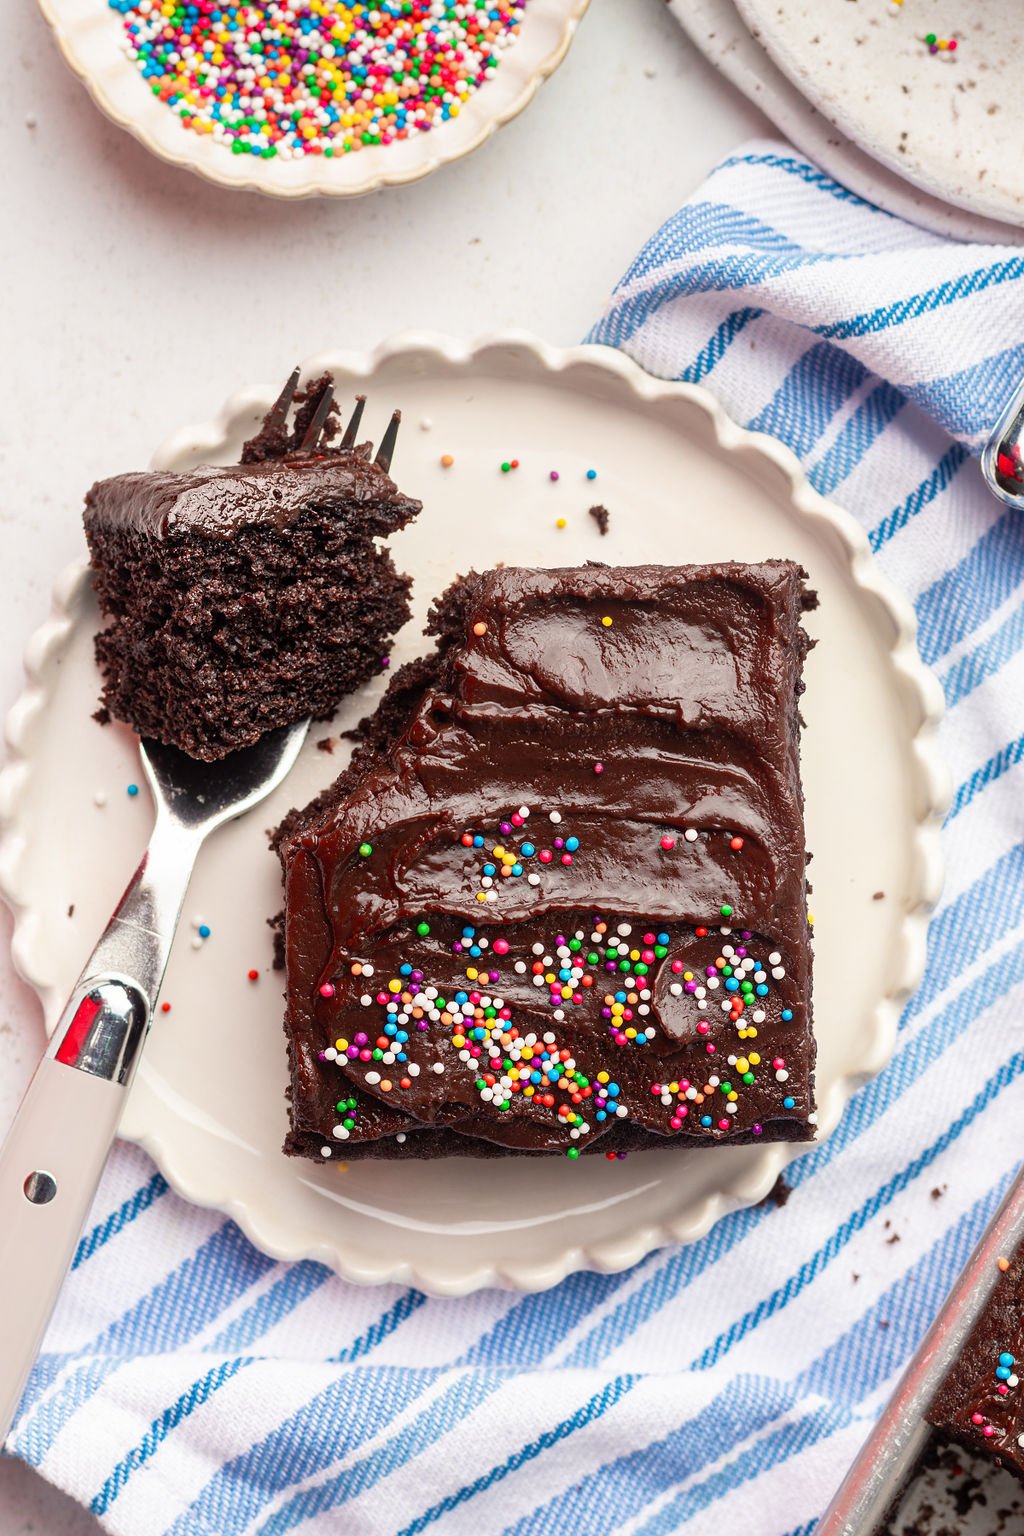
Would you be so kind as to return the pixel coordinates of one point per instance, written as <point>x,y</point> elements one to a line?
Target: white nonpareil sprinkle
<point>555,816</point>
<point>675,989</point>
<point>330,1054</point>
<point>373,1078</point>
<point>690,834</point>
<point>438,1067</point>
<point>325,1151</point>
<point>400,1136</point>
<point>100,799</point>
<point>340,1132</point>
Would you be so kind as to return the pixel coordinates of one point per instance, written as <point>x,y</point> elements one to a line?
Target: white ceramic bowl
<point>89,36</point>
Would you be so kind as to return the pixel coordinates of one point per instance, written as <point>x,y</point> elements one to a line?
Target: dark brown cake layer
<point>624,743</point>
<point>981,1402</point>
<point>241,598</point>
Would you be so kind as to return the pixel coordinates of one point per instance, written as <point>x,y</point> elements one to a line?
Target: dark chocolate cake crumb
<point>878,896</point>
<point>602,517</point>
<point>326,743</point>
<point>778,1194</point>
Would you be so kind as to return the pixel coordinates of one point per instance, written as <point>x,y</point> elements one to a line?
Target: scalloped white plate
<point>88,34</point>
<point>682,483</point>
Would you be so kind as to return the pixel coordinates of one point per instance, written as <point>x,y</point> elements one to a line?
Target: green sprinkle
<point>422,929</point>
<point>573,1152</point>
<point>726,910</point>
<point>365,849</point>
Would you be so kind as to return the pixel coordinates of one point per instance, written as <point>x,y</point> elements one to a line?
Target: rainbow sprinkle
<point>291,78</point>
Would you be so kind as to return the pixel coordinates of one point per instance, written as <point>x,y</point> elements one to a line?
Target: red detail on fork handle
<point>74,1036</point>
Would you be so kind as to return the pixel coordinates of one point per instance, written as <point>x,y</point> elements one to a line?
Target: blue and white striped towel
<point>191,1386</point>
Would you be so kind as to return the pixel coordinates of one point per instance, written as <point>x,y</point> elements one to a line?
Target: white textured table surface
<point>136,298</point>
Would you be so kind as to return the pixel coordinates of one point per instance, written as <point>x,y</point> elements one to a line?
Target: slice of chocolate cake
<point>241,598</point>
<point>981,1403</point>
<point>557,903</point>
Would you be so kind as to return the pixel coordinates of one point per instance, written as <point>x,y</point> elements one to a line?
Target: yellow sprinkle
<point>603,1077</point>
<point>481,895</point>
<point>341,1045</point>
<point>631,1033</point>
<point>394,986</point>
<point>560,522</point>
<point>754,1058</point>
<point>607,622</point>
<point>472,972</point>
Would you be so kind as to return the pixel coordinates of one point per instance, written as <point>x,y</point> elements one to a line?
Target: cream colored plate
<point>717,30</point>
<point>951,128</point>
<point>89,35</point>
<point>682,484</point>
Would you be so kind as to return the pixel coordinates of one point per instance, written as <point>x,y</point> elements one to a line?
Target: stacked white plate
<point>930,137</point>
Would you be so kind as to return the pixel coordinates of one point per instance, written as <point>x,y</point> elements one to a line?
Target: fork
<point>55,1151</point>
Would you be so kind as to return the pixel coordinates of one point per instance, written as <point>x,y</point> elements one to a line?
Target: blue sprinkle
<point>403,970</point>
<point>461,997</point>
<point>517,869</point>
<point>490,869</point>
<point>572,843</point>
<point>787,1014</point>
<point>1003,1372</point>
<point>789,1103</point>
<point>705,1119</point>
<point>612,1090</point>
<point>662,938</point>
<point>762,990</point>
<point>478,841</point>
<point>527,851</point>
<point>731,984</point>
<point>133,790</point>
<point>467,933</point>
<point>591,474</point>
<point>204,930</point>
<point>1006,1359</point>
<point>601,1115</point>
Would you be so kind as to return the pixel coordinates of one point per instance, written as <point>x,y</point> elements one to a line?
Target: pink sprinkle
<point>517,820</point>
<point>677,966</point>
<point>710,1050</point>
<point>656,1088</point>
<point>501,946</point>
<point>566,858</point>
<point>599,767</point>
<point>703,1027</point>
<point>327,990</point>
<point>545,855</point>
<point>988,1431</point>
<point>554,474</point>
<point>778,1063</point>
<point>723,1125</point>
<point>668,842</point>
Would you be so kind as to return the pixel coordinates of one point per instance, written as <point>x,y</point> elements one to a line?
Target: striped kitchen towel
<point>189,1385</point>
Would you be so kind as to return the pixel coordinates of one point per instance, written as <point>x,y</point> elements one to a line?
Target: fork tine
<point>386,451</point>
<point>348,441</point>
<point>318,421</point>
<point>278,413</point>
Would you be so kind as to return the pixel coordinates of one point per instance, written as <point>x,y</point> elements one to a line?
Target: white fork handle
<point>49,1169</point>
<point>54,1154</point>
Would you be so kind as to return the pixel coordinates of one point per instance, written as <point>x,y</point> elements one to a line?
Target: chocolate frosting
<point>660,749</point>
<point>981,1402</point>
<point>216,500</point>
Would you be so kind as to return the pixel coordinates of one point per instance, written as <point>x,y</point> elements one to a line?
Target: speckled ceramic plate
<point>89,34</point>
<point>715,26</point>
<point>950,127</point>
<point>681,483</point>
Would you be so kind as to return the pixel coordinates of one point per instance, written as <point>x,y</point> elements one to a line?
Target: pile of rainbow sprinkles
<point>316,77</point>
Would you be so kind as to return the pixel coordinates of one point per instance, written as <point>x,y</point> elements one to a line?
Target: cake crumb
<point>326,743</point>
<point>778,1194</point>
<point>878,896</point>
<point>938,1193</point>
<point>71,910</point>
<point>602,517</point>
